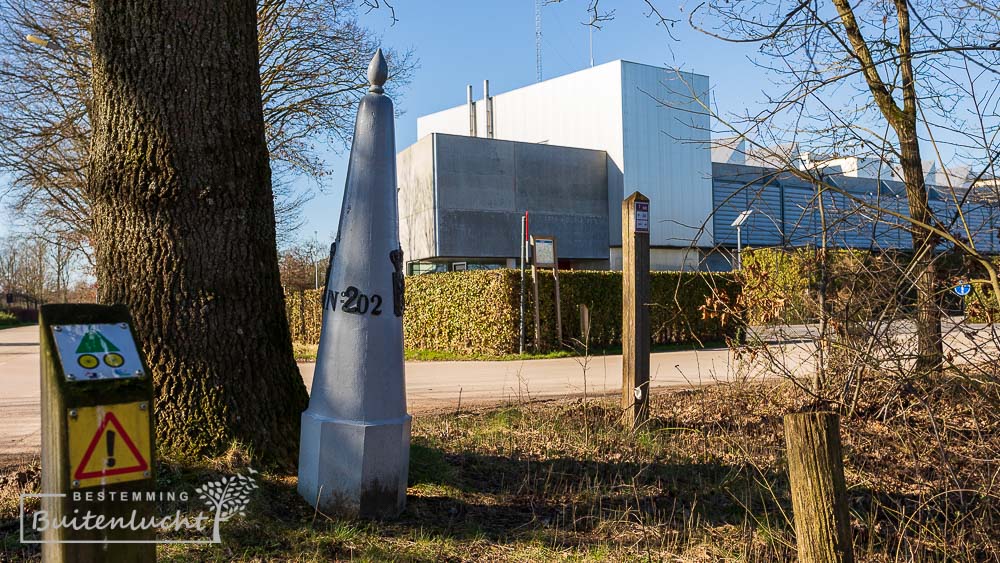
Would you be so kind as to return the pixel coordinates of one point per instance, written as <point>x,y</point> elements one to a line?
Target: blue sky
<point>461,42</point>
<point>464,42</point>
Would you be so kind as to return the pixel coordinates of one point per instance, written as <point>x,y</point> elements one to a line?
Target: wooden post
<point>555,273</point>
<point>538,323</point>
<point>819,496</point>
<point>97,433</point>
<point>524,257</point>
<point>635,309</point>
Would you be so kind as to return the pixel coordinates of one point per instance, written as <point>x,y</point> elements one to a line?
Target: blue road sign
<point>962,289</point>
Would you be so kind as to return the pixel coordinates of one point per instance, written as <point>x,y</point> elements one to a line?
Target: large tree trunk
<point>184,220</point>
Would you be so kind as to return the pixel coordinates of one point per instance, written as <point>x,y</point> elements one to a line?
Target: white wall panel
<point>667,151</point>
<point>453,121</point>
<point>417,203</point>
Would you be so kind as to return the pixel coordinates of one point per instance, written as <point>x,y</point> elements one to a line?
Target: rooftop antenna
<point>538,40</point>
<point>591,43</point>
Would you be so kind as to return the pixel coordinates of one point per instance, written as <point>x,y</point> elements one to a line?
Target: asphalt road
<point>429,385</point>
<point>434,386</point>
<point>19,389</point>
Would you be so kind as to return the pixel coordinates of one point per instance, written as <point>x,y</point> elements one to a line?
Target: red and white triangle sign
<point>139,466</point>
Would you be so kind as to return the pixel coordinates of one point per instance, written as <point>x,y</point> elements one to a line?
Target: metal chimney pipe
<point>489,109</point>
<point>472,111</point>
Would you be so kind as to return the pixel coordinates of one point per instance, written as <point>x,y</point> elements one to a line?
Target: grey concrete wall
<point>415,181</point>
<point>481,187</point>
<point>664,259</point>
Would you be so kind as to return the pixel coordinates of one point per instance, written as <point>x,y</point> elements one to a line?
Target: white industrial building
<point>477,167</point>
<point>651,123</point>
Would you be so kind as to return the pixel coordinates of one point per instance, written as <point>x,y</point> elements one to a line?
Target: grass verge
<point>705,480</point>
<point>307,353</point>
<point>14,324</point>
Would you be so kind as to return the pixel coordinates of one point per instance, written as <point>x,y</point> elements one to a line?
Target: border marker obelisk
<point>355,443</point>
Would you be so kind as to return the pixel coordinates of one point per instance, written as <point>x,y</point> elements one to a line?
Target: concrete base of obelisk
<point>352,468</point>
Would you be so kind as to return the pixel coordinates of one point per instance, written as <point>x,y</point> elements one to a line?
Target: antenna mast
<point>538,40</point>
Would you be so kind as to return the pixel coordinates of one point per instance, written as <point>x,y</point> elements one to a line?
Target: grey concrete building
<point>461,200</point>
<point>568,150</point>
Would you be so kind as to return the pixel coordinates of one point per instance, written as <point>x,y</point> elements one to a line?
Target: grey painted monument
<point>355,443</point>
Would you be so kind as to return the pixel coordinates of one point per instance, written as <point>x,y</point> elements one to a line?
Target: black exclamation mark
<point>111,448</point>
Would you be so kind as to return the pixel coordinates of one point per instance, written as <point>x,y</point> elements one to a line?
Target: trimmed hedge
<point>476,312</point>
<point>304,309</point>
<point>677,311</point>
<point>982,305</point>
<point>473,312</point>
<point>776,286</point>
<point>18,315</point>
<point>782,286</point>
<point>8,319</point>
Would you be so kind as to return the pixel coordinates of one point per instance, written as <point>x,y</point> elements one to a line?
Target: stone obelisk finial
<point>355,442</point>
<point>378,72</point>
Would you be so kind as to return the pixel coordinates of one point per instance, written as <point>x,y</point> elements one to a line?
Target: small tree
<point>912,66</point>
<point>313,57</point>
<point>303,266</point>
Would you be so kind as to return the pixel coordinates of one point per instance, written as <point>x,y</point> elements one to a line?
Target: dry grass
<point>703,481</point>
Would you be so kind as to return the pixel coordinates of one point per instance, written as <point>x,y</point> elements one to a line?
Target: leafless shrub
<point>313,58</point>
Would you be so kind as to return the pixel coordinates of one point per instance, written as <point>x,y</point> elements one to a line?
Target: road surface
<point>438,385</point>
<point>429,385</point>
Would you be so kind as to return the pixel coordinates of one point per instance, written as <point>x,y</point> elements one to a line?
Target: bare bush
<point>313,58</point>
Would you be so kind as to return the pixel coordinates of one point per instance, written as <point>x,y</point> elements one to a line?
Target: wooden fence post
<point>538,322</point>
<point>635,309</point>
<point>819,496</point>
<point>302,313</point>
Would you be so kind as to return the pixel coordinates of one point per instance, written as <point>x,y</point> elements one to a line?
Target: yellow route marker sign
<point>108,444</point>
<point>97,432</point>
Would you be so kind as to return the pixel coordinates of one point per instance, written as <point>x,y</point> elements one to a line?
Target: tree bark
<point>184,221</point>
<point>930,350</point>
<point>816,478</point>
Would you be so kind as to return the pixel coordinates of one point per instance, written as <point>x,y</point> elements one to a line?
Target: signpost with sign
<point>642,216</point>
<point>738,223</point>
<point>97,352</point>
<point>545,256</point>
<point>635,309</point>
<point>97,431</point>
<point>108,444</point>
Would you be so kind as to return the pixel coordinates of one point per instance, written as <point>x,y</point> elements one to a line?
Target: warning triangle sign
<point>95,342</point>
<point>109,459</point>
